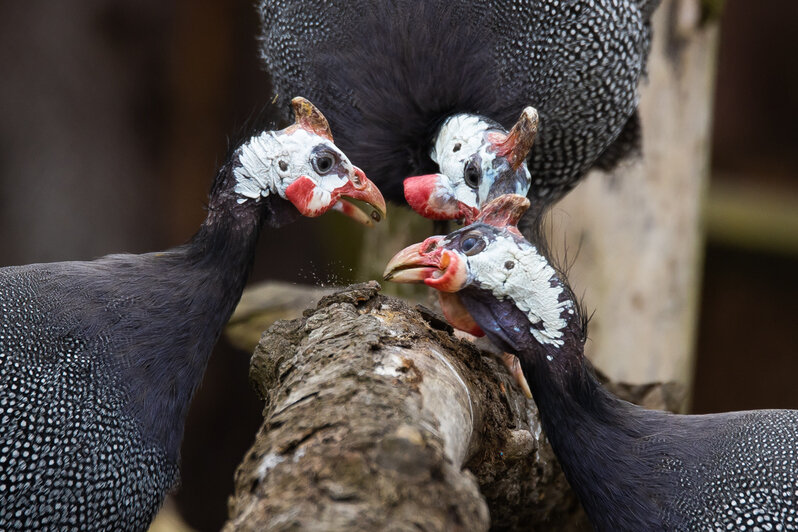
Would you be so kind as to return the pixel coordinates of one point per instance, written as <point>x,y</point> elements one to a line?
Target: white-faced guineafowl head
<point>479,161</point>
<point>302,165</point>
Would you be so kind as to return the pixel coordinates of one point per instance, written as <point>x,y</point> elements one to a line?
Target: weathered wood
<point>371,413</point>
<point>377,417</point>
<point>638,230</point>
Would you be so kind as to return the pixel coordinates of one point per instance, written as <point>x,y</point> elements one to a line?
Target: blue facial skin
<point>503,179</point>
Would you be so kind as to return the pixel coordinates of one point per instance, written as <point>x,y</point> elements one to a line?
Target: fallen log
<point>377,418</point>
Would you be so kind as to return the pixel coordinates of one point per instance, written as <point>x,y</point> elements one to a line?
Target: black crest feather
<point>394,90</point>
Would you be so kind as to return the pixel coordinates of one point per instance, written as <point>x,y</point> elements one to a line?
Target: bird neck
<point>223,249</point>
<point>200,284</point>
<point>526,307</point>
<point>597,437</point>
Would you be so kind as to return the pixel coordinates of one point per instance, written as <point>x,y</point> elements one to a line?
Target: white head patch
<point>526,277</point>
<point>272,160</point>
<point>460,138</point>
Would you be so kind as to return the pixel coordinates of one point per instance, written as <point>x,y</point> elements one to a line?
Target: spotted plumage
<point>390,73</point>
<point>99,359</point>
<point>73,455</point>
<point>633,469</point>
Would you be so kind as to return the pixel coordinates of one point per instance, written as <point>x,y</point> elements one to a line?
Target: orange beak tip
<point>454,274</point>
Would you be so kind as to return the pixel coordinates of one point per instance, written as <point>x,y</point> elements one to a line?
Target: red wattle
<point>454,273</point>
<point>426,195</point>
<point>456,314</point>
<point>419,192</point>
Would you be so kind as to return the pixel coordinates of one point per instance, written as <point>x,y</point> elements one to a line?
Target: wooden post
<point>638,230</point>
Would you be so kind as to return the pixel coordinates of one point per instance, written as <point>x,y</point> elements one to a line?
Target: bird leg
<point>514,366</point>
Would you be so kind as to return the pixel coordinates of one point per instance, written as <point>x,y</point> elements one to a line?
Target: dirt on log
<point>378,418</point>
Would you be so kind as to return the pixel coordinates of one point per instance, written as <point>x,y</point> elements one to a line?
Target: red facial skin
<point>454,275</point>
<point>439,268</point>
<point>424,195</point>
<point>300,193</point>
<point>457,315</point>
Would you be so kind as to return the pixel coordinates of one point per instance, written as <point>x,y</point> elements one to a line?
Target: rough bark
<point>378,418</point>
<point>648,213</point>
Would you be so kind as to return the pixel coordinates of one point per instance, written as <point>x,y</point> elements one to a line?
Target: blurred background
<point>116,113</point>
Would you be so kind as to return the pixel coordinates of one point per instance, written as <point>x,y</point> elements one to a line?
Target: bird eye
<point>456,147</point>
<point>471,174</point>
<point>472,244</point>
<point>283,165</point>
<point>323,162</point>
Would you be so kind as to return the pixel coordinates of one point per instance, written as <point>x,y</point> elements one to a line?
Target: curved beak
<point>427,262</point>
<point>441,269</point>
<point>361,200</point>
<point>431,196</point>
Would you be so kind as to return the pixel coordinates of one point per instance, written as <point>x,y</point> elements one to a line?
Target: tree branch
<point>377,417</point>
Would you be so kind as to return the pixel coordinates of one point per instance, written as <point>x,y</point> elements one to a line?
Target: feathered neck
<point>197,287</point>
<point>603,443</point>
<point>599,439</point>
<point>399,76</point>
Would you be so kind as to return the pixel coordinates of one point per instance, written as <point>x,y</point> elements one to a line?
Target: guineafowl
<point>99,360</point>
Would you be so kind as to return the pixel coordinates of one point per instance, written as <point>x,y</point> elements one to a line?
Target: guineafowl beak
<point>432,197</point>
<point>361,200</point>
<point>428,262</point>
<point>415,263</point>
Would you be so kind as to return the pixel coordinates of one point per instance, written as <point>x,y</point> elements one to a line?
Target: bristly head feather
<point>539,233</point>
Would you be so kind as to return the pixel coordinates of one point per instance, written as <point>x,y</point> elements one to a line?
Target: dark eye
<point>471,174</point>
<point>283,165</point>
<point>323,162</point>
<point>456,147</point>
<point>472,244</point>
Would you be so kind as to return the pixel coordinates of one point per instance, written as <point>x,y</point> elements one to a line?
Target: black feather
<point>416,67</point>
<point>387,74</point>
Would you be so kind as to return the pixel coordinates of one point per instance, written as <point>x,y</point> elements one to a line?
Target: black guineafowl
<point>99,360</point>
<point>425,86</point>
